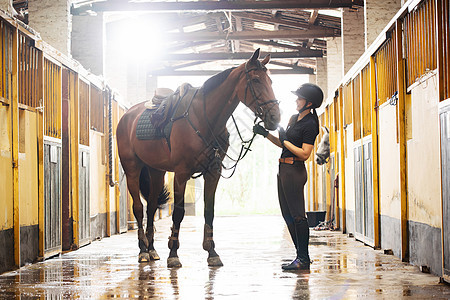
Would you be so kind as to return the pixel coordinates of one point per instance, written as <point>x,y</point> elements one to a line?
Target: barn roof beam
<point>250,35</point>
<point>296,67</point>
<point>170,72</point>
<point>239,55</point>
<point>276,20</point>
<point>278,45</point>
<point>120,5</point>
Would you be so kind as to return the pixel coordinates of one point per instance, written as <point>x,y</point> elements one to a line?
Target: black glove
<point>282,135</point>
<point>258,129</point>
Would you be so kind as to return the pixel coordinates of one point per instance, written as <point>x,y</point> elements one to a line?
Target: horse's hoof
<point>214,261</point>
<point>144,257</point>
<point>153,255</point>
<point>173,262</point>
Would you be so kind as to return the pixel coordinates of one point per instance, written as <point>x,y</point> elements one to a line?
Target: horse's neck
<point>221,103</point>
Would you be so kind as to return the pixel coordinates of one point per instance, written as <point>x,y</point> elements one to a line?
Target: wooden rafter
<point>277,20</point>
<point>170,72</point>
<point>251,34</point>
<point>120,5</point>
<point>294,67</point>
<point>240,55</point>
<point>312,20</point>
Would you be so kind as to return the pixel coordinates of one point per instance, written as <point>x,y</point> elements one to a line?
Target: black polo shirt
<point>299,132</point>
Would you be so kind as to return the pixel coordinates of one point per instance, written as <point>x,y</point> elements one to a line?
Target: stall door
<point>332,190</point>
<point>368,193</point>
<point>52,197</point>
<point>364,219</point>
<point>323,169</point>
<point>84,204</point>
<point>359,200</point>
<point>445,165</point>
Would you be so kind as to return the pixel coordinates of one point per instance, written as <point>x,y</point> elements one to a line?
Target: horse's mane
<point>216,80</point>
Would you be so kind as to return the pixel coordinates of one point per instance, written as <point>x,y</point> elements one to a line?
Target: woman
<point>297,143</point>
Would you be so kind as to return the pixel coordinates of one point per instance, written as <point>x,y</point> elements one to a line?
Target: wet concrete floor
<point>252,249</point>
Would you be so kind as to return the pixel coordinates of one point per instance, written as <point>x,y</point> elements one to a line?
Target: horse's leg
<point>138,211</point>
<point>211,181</point>
<point>179,186</point>
<point>157,184</point>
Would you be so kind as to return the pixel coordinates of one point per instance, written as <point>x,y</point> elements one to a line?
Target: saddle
<point>166,105</point>
<point>157,120</point>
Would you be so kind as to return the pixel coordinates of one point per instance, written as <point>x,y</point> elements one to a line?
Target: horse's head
<point>255,91</point>
<point>323,149</point>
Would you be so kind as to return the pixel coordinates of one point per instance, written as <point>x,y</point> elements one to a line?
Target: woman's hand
<point>258,129</point>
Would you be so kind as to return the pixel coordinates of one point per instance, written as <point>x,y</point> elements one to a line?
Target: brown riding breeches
<point>291,182</point>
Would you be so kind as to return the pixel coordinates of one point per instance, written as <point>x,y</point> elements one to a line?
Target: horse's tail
<point>144,187</point>
<point>164,196</point>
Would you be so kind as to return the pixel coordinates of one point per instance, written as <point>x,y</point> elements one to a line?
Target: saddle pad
<point>146,131</point>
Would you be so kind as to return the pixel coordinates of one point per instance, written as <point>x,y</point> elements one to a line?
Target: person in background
<point>297,142</point>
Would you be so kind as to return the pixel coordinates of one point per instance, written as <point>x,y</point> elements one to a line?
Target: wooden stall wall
<point>443,31</point>
<point>423,136</point>
<point>98,165</point>
<point>395,116</point>
<point>6,173</point>
<point>349,171</point>
<point>46,114</point>
<point>84,216</point>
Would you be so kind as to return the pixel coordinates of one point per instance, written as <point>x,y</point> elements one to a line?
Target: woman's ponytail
<point>316,118</point>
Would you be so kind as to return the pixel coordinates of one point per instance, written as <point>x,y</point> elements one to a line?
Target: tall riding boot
<point>302,261</point>
<point>291,228</point>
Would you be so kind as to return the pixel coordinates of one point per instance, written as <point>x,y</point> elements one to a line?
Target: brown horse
<point>198,143</point>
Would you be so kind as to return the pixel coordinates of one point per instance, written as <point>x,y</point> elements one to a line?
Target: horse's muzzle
<point>270,125</point>
<point>272,118</point>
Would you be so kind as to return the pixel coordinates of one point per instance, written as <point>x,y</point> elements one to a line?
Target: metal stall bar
<point>442,15</point>
<point>420,41</point>
<point>28,72</point>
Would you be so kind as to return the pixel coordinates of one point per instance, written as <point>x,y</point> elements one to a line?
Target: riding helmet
<point>311,93</point>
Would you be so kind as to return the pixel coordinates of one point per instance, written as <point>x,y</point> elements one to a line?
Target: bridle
<point>259,111</point>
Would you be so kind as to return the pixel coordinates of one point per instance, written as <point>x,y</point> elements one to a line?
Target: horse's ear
<point>255,55</point>
<point>266,60</point>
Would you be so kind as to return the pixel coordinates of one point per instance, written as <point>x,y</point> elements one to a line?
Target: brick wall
<point>353,36</point>
<point>377,15</point>
<point>87,42</point>
<point>321,74</point>
<point>51,18</point>
<point>334,63</point>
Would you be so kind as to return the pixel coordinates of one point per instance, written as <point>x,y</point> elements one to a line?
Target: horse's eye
<point>256,80</point>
